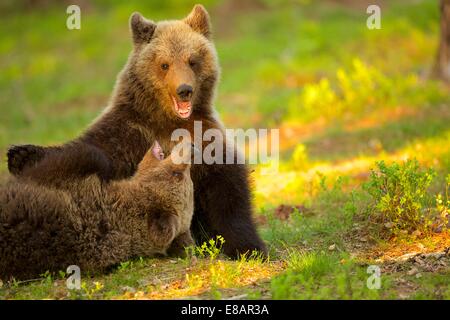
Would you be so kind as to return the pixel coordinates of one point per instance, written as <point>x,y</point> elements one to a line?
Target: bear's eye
<point>192,63</point>
<point>177,174</point>
<point>164,66</point>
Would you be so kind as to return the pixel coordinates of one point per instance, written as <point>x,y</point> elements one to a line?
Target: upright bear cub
<point>167,84</point>
<point>94,224</point>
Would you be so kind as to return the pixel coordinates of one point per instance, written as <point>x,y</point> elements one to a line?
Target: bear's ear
<point>157,151</point>
<point>141,28</point>
<point>198,20</point>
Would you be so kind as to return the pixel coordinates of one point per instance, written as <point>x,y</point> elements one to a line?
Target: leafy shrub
<point>355,91</point>
<point>443,204</point>
<point>316,100</point>
<point>399,197</point>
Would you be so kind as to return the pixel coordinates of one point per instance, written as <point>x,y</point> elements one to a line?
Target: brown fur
<point>140,111</point>
<point>94,224</point>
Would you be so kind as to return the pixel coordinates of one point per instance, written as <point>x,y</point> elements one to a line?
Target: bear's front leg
<point>223,207</point>
<point>24,156</point>
<point>52,166</point>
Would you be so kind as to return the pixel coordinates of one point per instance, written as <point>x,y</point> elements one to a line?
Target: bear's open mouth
<point>182,108</point>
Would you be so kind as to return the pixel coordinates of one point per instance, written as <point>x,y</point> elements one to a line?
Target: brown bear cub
<point>167,84</point>
<point>94,224</point>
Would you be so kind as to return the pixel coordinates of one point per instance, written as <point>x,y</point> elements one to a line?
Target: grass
<point>343,98</point>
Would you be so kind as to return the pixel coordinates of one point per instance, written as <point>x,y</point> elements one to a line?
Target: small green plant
<point>62,274</point>
<point>48,277</point>
<point>253,255</point>
<point>399,197</point>
<point>322,181</point>
<point>90,292</point>
<point>14,283</point>
<point>210,249</point>
<point>215,293</point>
<point>125,265</point>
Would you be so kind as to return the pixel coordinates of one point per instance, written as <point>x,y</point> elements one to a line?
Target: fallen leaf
<point>261,220</point>
<point>283,212</point>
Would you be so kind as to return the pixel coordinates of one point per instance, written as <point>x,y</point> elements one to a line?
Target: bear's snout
<point>185,91</point>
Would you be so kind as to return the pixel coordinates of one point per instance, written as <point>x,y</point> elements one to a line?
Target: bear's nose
<point>184,91</point>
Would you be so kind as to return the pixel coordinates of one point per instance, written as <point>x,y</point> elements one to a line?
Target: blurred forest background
<point>344,98</point>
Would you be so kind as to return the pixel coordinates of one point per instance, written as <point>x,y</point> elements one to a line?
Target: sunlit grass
<point>388,250</point>
<point>293,186</point>
<point>323,276</point>
<point>210,277</point>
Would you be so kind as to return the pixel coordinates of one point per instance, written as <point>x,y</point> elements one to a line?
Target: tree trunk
<point>442,64</point>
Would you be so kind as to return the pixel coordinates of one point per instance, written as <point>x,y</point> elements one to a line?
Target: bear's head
<point>174,169</point>
<point>176,62</point>
<point>169,184</point>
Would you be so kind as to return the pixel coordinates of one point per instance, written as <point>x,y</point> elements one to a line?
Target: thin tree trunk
<point>441,68</point>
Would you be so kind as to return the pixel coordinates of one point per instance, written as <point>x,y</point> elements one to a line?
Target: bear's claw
<point>21,156</point>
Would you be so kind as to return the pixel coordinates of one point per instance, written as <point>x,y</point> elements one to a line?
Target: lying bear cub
<point>95,224</point>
